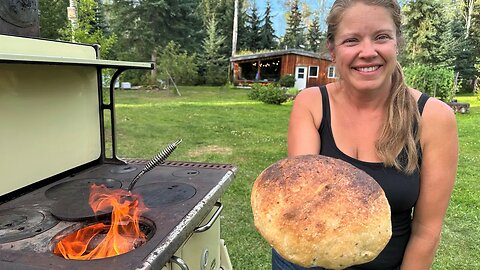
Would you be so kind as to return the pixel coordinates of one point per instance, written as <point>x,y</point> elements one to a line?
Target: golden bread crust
<point>320,211</point>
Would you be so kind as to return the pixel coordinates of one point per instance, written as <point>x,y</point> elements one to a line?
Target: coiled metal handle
<point>157,159</point>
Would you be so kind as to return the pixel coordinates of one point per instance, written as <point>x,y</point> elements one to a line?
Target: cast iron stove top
<point>178,194</point>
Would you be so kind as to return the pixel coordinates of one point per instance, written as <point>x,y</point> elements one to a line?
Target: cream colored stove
<point>53,143</point>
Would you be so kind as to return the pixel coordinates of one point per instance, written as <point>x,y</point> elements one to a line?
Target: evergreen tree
<point>253,29</point>
<point>474,35</point>
<point>294,36</point>
<point>464,55</point>
<point>267,34</point>
<point>146,27</point>
<point>314,36</point>
<point>101,22</point>
<point>242,39</point>
<point>214,63</point>
<point>224,12</point>
<point>424,28</point>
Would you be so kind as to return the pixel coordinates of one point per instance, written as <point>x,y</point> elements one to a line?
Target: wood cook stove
<point>53,141</point>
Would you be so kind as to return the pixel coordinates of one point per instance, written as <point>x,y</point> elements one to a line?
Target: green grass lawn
<point>222,125</point>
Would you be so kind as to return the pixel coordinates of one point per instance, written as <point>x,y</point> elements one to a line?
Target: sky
<point>278,11</point>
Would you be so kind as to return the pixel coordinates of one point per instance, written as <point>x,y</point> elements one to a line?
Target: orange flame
<point>121,236</point>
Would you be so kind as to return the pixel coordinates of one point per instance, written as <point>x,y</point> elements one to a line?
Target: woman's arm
<point>305,117</point>
<point>439,142</point>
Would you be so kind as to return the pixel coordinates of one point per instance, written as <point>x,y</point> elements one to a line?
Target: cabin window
<point>331,72</point>
<point>313,71</point>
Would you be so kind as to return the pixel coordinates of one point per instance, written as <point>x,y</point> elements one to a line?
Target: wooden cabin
<point>309,68</point>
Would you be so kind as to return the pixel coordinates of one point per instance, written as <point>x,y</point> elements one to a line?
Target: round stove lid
<point>22,13</point>
<point>79,187</point>
<point>164,193</point>
<point>18,223</point>
<point>76,208</point>
<point>71,199</point>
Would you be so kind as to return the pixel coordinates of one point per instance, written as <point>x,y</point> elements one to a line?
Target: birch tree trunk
<point>153,72</point>
<point>468,16</point>
<point>235,29</point>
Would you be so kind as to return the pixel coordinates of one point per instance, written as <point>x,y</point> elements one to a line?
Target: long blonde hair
<point>400,129</point>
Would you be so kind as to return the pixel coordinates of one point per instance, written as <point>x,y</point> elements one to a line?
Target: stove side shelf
<point>59,60</point>
<point>55,89</point>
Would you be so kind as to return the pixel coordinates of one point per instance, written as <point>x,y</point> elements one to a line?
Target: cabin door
<point>300,77</point>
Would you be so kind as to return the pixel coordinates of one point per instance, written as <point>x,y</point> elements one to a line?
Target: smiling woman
<point>365,55</point>
<point>369,118</point>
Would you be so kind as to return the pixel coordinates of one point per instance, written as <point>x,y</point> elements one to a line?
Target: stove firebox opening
<point>122,233</point>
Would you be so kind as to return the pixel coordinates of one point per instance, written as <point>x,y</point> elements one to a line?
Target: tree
<point>435,81</point>
<point>242,42</point>
<point>53,17</point>
<point>294,37</point>
<point>466,51</point>
<point>213,61</point>
<point>87,29</point>
<point>147,26</point>
<point>469,9</point>
<point>235,29</point>
<point>474,35</point>
<point>314,35</point>
<point>267,33</point>
<point>101,22</point>
<point>177,64</point>
<point>426,31</point>
<point>253,29</point>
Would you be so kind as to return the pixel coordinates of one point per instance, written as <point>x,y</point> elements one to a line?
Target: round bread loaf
<point>320,211</point>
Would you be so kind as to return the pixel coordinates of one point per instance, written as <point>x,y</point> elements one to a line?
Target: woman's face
<point>365,48</point>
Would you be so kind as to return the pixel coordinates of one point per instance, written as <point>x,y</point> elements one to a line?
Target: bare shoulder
<point>308,105</point>
<point>435,109</point>
<point>308,95</point>
<point>438,120</point>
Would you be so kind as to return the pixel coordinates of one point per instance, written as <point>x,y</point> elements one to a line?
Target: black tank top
<point>400,189</point>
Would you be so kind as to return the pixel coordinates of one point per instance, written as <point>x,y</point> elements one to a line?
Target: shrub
<point>173,61</point>
<point>270,94</point>
<point>254,93</point>
<point>287,81</point>
<point>435,81</point>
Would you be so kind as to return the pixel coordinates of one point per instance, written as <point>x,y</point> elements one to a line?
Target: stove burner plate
<point>76,209</point>
<point>165,193</point>
<point>71,199</point>
<point>81,186</point>
<point>17,224</point>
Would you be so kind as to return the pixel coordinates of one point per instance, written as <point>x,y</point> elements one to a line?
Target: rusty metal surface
<point>19,18</point>
<point>173,221</point>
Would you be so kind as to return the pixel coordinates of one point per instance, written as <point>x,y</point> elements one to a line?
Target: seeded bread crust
<point>320,211</point>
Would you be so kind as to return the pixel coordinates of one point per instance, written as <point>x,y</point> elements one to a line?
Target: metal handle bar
<point>212,219</point>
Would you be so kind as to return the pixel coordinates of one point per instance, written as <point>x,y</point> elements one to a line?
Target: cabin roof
<point>253,56</point>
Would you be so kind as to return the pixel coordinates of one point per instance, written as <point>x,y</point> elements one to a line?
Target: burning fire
<point>103,240</point>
